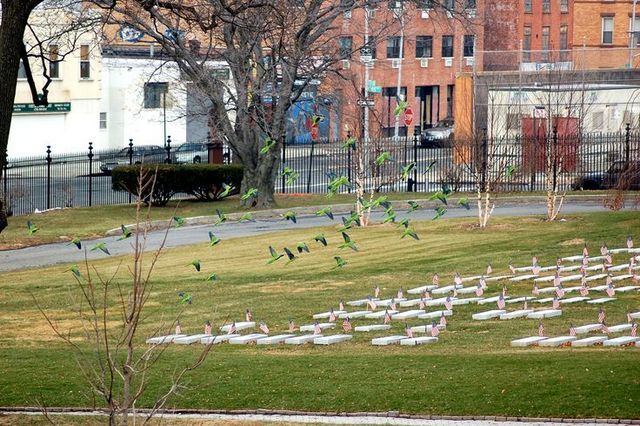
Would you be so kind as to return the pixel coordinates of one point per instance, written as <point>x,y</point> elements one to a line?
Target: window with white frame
<point>634,31</point>
<point>607,30</point>
<point>103,120</point>
<point>85,64</point>
<point>54,65</point>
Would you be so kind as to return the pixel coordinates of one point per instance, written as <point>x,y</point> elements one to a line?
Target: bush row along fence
<point>76,180</point>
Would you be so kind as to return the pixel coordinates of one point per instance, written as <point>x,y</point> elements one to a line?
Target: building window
<point>634,30</point>
<point>468,44</point>
<point>607,30</point>
<point>528,7</point>
<point>154,94</point>
<point>470,4</point>
<point>424,46</point>
<point>85,65</point>
<point>449,5</point>
<point>450,100</point>
<point>54,65</point>
<point>393,46</point>
<point>546,6</point>
<point>394,4</point>
<point>426,4</point>
<point>564,43</point>
<point>545,43</point>
<point>564,6</point>
<point>447,46</point>
<point>526,44</point>
<point>346,47</point>
<point>22,72</point>
<point>103,120</point>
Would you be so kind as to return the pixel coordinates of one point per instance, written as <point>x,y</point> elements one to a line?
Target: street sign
<point>31,108</point>
<point>408,116</point>
<point>366,54</point>
<point>368,103</point>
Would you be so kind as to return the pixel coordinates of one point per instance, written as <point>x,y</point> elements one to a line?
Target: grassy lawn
<point>93,222</point>
<point>472,370</point>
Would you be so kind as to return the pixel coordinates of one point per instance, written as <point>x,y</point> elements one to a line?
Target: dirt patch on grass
<point>574,242</point>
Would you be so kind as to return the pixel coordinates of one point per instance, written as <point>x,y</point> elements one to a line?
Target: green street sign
<point>375,89</point>
<point>31,108</point>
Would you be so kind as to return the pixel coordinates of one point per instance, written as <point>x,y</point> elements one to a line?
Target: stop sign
<point>408,116</point>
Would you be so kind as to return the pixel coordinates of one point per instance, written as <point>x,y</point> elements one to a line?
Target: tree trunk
<point>261,175</point>
<point>15,15</point>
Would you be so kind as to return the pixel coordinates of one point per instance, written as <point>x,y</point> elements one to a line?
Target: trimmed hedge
<point>203,181</point>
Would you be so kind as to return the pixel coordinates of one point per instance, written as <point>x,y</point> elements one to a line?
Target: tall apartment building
<point>420,49</point>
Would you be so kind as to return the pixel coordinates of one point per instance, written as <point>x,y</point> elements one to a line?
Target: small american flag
<point>500,302</point>
<point>541,330</point>
<point>560,291</point>
<point>421,305</point>
<point>504,291</point>
<point>483,282</point>
<point>346,325</point>
<point>534,260</point>
<point>634,330</point>
<point>341,306</point>
<point>489,270</point>
<point>435,280</point>
<point>232,329</point>
<point>332,316</point>
<point>371,304</point>
<point>248,316</point>
<point>556,303</point>
<point>400,293</point>
<point>535,290</point>
<point>455,292</point>
<point>585,251</point>
<point>447,303</point>
<point>609,260</point>
<point>479,290</point>
<point>435,331</point>
<point>558,262</point>
<point>408,330</point>
<point>535,270</point>
<point>604,267</point>
<point>585,261</point>
<point>376,291</point>
<point>629,319</point>
<point>392,305</point>
<point>584,290</point>
<point>443,319</point>
<point>387,317</point>
<point>601,316</point>
<point>572,330</point>
<point>512,269</point>
<point>611,291</point>
<point>525,304</point>
<point>178,328</point>
<point>556,280</point>
<point>629,242</point>
<point>604,328</point>
<point>426,295</point>
<point>292,326</point>
<point>457,279</point>
<point>609,280</point>
<point>604,249</point>
<point>263,327</point>
<point>207,328</point>
<point>317,329</point>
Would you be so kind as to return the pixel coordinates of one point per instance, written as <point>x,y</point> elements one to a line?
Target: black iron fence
<point>512,164</point>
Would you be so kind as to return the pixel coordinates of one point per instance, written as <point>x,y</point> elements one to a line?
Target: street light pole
<point>396,126</point>
<point>164,117</point>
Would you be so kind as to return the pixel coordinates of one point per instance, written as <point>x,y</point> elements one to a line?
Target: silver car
<point>147,154</point>
<point>192,152</point>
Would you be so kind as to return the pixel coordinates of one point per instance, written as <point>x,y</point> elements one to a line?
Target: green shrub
<point>203,181</point>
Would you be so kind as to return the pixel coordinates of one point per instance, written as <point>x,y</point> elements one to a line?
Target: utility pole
<point>632,35</point>
<point>400,16</point>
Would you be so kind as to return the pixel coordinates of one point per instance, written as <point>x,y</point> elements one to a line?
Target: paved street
<point>51,254</point>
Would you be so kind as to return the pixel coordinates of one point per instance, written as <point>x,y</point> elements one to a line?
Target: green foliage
<point>203,181</point>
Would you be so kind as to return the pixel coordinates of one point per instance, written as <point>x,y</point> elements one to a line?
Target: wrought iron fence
<point>506,164</point>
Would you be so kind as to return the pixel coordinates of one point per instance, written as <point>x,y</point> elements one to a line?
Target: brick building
<point>436,45</point>
<point>603,27</point>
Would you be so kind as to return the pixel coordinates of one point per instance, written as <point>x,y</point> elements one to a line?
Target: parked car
<point>147,154</point>
<point>192,152</point>
<point>619,175</point>
<point>438,136</point>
